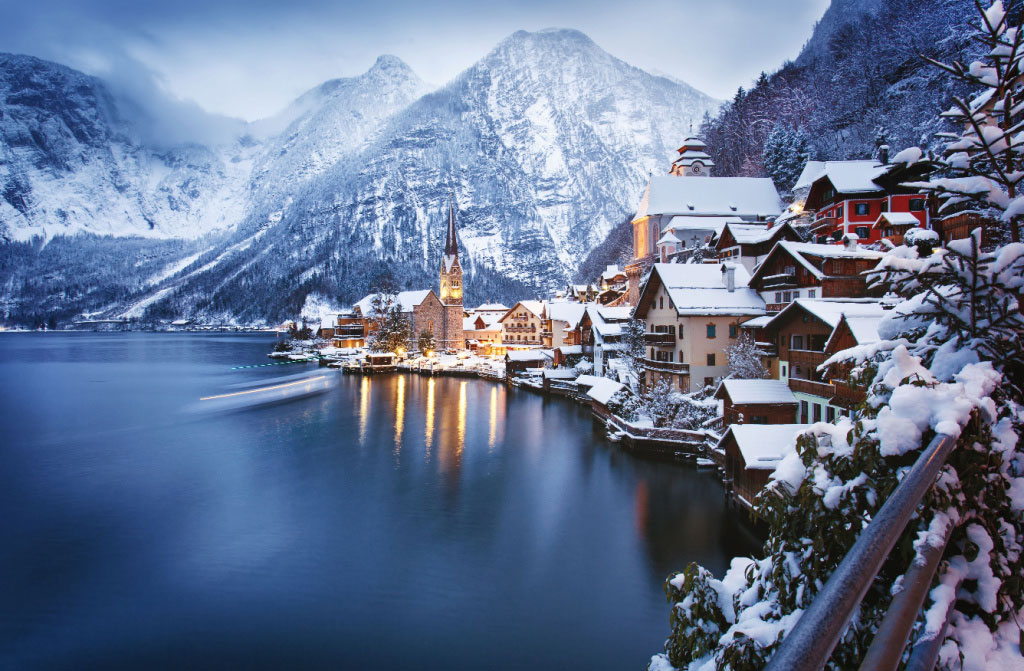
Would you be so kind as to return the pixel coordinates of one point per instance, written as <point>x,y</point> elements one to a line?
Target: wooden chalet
<point>801,333</point>
<point>849,197</point>
<point>752,452</point>
<point>757,402</point>
<point>750,244</point>
<point>796,270</point>
<point>849,332</point>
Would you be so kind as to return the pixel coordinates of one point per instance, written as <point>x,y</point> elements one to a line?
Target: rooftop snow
<point>571,313</point>
<point>748,234</point>
<point>758,391</point>
<point>700,289</point>
<point>710,196</point>
<point>525,355</point>
<point>846,176</point>
<point>406,299</point>
<point>603,390</point>
<point>898,219</point>
<point>831,311</point>
<point>764,445</point>
<point>684,222</point>
<point>798,249</point>
<point>757,322</point>
<point>492,307</point>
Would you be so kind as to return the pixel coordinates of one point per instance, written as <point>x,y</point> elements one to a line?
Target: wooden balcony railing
<point>822,389</point>
<point>659,339</point>
<point>806,357</point>
<point>666,366</point>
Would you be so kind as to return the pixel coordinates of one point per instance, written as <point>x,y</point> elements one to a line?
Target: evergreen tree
<point>391,332</point>
<point>427,343</point>
<point>786,152</point>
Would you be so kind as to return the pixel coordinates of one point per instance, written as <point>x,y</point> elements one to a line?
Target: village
<point>713,343</point>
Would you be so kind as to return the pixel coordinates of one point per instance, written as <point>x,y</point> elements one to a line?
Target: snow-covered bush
<point>746,360</point>
<point>950,361</point>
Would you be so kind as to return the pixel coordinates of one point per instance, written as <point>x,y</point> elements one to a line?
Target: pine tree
<point>983,164</point>
<point>427,343</point>
<point>392,331</point>
<point>786,152</point>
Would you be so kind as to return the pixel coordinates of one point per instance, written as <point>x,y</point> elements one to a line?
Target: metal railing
<point>810,643</point>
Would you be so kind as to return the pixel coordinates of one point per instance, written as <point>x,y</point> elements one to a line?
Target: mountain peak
<point>388,62</point>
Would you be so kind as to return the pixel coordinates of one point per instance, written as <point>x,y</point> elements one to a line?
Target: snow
<point>684,222</point>
<point>757,391</point>
<point>757,322</point>
<point>603,390</point>
<point>749,234</point>
<point>710,196</point>
<point>525,355</point>
<point>406,299</point>
<point>908,156</point>
<point>897,219</point>
<point>852,176</point>
<point>570,313</point>
<point>763,446</point>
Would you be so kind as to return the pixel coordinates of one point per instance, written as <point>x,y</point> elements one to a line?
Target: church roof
<point>451,244</point>
<point>710,196</point>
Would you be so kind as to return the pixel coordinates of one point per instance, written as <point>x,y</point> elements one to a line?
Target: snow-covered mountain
<point>545,144</point>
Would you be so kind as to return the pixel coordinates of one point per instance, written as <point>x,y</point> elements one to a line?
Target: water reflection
<point>364,407</point>
<point>429,434</point>
<point>494,418</point>
<point>399,414</point>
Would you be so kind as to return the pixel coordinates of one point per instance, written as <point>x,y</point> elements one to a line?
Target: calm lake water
<point>397,522</point>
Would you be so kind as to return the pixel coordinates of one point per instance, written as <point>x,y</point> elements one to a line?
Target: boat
<point>268,391</point>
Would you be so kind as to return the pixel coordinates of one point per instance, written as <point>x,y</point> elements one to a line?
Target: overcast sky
<point>250,58</point>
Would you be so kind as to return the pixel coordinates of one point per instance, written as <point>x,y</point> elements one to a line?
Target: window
<point>758,419</point>
<point>863,232</point>
<point>709,381</point>
<point>680,333</point>
<point>916,204</point>
<point>885,206</point>
<point>732,330</point>
<point>778,296</point>
<point>661,302</point>
<point>430,325</point>
<point>797,342</point>
<point>803,412</point>
<point>787,296</point>
<point>861,208</point>
<point>839,212</point>
<point>783,372</point>
<point>711,330</point>
<point>830,414</point>
<point>711,359</point>
<point>811,293</point>
<point>817,412</point>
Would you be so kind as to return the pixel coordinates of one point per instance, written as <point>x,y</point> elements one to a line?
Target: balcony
<point>666,366</point>
<point>847,395</point>
<point>825,225</point>
<point>667,339</point>
<point>820,389</point>
<point>780,281</point>
<point>806,357</point>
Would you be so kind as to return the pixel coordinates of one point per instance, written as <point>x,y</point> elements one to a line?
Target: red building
<point>851,196</point>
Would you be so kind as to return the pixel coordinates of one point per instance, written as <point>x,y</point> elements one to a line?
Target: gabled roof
<point>607,321</point>
<point>898,219</point>
<point>491,307</point>
<point>570,313</point>
<point>710,196</point>
<point>831,311</point>
<point>743,392</point>
<point>763,446</point>
<point>751,234</point>
<point>863,328</point>
<point>603,390</point>
<point>685,222</point>
<point>668,238</point>
<point>536,307</point>
<point>611,272</point>
<point>845,176</point>
<point>799,251</point>
<point>700,289</point>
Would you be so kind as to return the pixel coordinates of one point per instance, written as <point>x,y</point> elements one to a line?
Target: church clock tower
<point>451,288</point>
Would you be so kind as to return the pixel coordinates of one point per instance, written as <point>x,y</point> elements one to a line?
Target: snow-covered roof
<point>406,299</point>
<point>328,322</point>
<point>570,313</point>
<point>525,355</point>
<point>748,234</point>
<point>668,239</point>
<point>588,380</point>
<point>536,307</point>
<point>611,272</point>
<point>757,322</point>
<point>710,196</point>
<point>603,390</point>
<point>763,446</point>
<point>686,222</point>
<point>559,373</point>
<point>864,329</point>
<point>798,250</point>
<point>492,307</point>
<point>898,219</point>
<point>571,349</point>
<point>700,289</point>
<point>846,176</point>
<point>757,391</point>
<point>831,311</point>
<point>616,313</point>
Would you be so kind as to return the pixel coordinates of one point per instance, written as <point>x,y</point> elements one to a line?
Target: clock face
<point>695,168</point>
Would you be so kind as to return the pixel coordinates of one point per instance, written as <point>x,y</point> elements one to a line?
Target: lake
<point>395,522</point>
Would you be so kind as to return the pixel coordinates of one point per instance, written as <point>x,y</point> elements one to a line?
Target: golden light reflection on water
<point>460,431</point>
<point>364,407</point>
<point>399,414</point>
<point>493,433</point>
<point>429,436</point>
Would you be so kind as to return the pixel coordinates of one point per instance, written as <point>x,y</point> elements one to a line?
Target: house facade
<point>750,244</point>
<point>692,312</point>
<point>523,325</point>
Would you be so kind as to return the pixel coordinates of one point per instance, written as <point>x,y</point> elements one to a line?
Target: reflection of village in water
<point>450,423</point>
<point>423,417</point>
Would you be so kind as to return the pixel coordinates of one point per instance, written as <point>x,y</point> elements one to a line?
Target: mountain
<point>544,144</point>
<point>859,82</point>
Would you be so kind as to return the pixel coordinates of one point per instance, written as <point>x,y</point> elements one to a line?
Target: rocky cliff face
<point>544,143</point>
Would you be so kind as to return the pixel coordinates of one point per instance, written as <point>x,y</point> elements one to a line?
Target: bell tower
<point>451,287</point>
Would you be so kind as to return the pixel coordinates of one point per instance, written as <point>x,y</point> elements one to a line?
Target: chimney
<point>850,242</point>
<point>883,154</point>
<point>729,274</point>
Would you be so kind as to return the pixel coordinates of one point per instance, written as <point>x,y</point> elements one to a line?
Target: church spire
<point>451,245</point>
